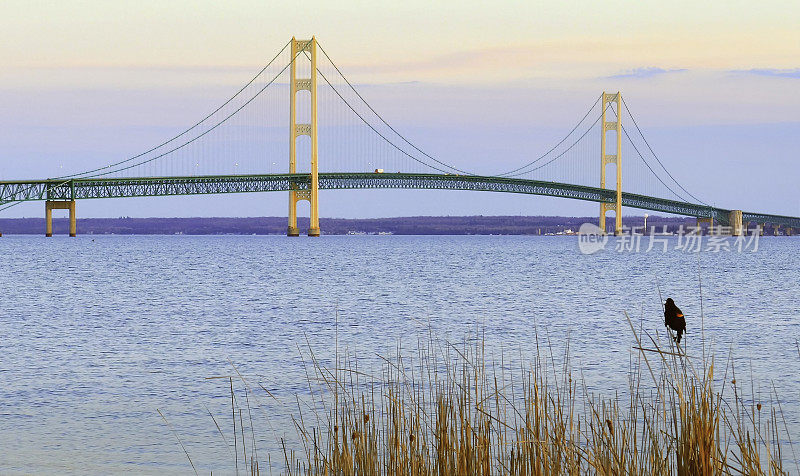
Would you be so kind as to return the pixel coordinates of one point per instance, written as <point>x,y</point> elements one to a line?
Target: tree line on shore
<point>420,225</point>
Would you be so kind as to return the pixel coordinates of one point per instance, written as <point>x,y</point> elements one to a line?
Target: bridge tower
<point>615,158</point>
<point>301,48</point>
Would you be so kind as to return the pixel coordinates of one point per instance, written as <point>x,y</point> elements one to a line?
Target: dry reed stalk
<point>458,415</point>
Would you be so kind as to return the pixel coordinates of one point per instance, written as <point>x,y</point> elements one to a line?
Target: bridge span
<point>229,150</point>
<point>59,190</point>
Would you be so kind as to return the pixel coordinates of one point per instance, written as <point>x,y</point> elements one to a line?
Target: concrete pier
<point>710,221</point>
<point>49,206</point>
<point>736,223</point>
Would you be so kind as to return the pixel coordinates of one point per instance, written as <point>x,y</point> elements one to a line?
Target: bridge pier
<point>709,220</point>
<point>736,222</point>
<point>51,205</point>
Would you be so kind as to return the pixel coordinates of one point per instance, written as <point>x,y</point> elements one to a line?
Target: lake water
<point>96,333</point>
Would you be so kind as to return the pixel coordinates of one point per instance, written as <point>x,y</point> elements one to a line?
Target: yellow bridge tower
<point>300,50</point>
<point>616,159</point>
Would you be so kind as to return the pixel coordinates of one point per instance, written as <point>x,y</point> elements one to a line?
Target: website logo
<point>591,239</point>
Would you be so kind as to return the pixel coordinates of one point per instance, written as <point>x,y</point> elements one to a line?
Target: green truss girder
<point>85,188</point>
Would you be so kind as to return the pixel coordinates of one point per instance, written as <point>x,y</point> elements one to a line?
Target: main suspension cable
<point>381,117</point>
<point>381,135</point>
<point>656,156</point>
<point>564,151</point>
<point>205,132</point>
<point>184,132</point>
<point>555,146</point>
<point>648,165</point>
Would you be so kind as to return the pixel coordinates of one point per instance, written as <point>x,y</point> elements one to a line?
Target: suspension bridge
<point>241,146</point>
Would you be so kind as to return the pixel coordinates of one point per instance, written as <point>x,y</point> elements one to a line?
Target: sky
<point>715,86</point>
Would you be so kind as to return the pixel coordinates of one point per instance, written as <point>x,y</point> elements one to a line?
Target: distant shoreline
<point>420,225</point>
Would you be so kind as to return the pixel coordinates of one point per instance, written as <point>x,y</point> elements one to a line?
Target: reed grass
<point>447,410</point>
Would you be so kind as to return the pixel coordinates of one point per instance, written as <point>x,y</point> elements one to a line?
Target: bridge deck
<point>85,188</point>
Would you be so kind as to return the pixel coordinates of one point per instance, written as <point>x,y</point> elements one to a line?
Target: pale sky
<point>716,85</point>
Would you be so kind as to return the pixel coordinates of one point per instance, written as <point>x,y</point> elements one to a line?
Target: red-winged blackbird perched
<point>673,318</point>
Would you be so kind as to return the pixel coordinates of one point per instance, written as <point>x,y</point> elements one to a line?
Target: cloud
<point>646,72</point>
<point>147,68</point>
<point>772,72</point>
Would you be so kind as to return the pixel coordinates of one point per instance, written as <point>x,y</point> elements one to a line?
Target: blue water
<point>96,333</point>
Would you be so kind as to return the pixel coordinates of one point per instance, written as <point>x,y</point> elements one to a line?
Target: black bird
<point>673,318</point>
